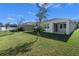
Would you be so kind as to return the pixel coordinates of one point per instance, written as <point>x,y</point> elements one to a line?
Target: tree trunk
<point>37,35</point>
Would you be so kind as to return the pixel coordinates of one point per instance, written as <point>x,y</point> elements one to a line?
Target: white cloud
<point>53,5</point>
<point>57,5</point>
<point>49,5</point>
<point>20,15</point>
<point>9,18</point>
<point>33,4</point>
<point>70,4</point>
<point>40,4</point>
<point>31,13</point>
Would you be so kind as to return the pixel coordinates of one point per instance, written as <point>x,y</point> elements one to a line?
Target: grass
<point>10,42</point>
<point>5,33</point>
<point>20,43</point>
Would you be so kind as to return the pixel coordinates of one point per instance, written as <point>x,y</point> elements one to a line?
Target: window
<point>61,26</point>
<point>64,25</point>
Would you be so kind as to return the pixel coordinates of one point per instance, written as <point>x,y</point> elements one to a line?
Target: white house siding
<point>70,26</point>
<point>3,29</point>
<point>51,26</point>
<point>50,30</point>
<point>9,28</point>
<point>67,27</point>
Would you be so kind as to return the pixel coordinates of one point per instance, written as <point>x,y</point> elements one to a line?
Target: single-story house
<point>9,28</point>
<point>27,27</point>
<point>13,27</point>
<point>60,26</point>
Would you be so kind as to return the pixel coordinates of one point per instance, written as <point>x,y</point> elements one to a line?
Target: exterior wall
<point>51,26</point>
<point>70,26</point>
<point>50,29</point>
<point>28,27</point>
<point>9,28</point>
<point>3,29</point>
<point>61,30</point>
<point>67,28</point>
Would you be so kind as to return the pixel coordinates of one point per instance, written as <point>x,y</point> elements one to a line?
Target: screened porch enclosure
<point>60,27</point>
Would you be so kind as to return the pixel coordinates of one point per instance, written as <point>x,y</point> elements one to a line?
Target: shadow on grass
<point>18,49</point>
<point>6,34</point>
<point>53,36</point>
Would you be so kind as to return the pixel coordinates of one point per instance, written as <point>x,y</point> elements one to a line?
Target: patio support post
<point>67,27</point>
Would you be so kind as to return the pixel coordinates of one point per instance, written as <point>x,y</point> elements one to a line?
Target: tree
<point>41,16</point>
<point>20,22</point>
<point>77,24</point>
<point>7,25</point>
<point>1,24</point>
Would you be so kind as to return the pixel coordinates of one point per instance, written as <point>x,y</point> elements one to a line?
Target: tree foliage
<point>19,23</point>
<point>41,16</point>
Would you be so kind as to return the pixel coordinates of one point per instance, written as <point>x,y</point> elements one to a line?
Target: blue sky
<point>11,12</point>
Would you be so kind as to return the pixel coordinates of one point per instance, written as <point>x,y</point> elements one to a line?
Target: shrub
<point>20,29</point>
<point>38,29</point>
<point>13,30</point>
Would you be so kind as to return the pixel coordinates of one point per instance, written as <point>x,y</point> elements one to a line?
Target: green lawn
<point>19,43</point>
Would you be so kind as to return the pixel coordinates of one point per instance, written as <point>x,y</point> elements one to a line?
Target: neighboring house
<point>60,26</point>
<point>13,27</point>
<point>9,28</point>
<point>27,27</point>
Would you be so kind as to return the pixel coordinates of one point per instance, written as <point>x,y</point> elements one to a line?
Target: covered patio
<point>59,27</point>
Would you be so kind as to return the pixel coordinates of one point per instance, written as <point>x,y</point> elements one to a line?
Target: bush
<point>20,29</point>
<point>13,30</point>
<point>38,29</point>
